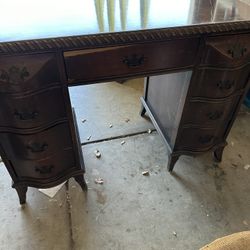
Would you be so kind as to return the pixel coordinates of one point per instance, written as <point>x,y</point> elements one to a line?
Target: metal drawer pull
<point>37,147</point>
<point>225,85</point>
<point>215,115</point>
<point>44,169</point>
<point>134,60</point>
<point>24,116</point>
<point>206,139</point>
<point>237,51</point>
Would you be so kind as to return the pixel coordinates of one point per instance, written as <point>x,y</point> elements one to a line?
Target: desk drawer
<point>39,145</point>
<point>196,139</point>
<point>46,168</point>
<point>124,61</point>
<point>209,113</point>
<point>219,83</point>
<point>227,51</point>
<point>25,72</point>
<point>32,110</point>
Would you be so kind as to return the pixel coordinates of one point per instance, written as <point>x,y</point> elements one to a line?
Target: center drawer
<point>39,145</point>
<point>32,110</point>
<point>123,61</point>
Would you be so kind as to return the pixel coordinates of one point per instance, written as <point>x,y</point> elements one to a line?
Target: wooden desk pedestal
<point>194,110</point>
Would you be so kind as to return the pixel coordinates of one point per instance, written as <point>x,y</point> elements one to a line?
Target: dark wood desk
<point>194,54</point>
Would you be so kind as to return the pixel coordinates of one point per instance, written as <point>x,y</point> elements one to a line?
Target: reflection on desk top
<point>29,19</point>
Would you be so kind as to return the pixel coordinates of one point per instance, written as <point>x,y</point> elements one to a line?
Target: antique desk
<point>194,55</point>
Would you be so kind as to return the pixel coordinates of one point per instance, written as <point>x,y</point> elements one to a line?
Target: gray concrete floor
<point>198,203</point>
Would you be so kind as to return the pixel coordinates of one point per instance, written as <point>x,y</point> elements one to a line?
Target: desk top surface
<point>29,19</point>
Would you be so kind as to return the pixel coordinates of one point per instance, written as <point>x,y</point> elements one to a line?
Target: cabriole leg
<point>21,191</point>
<point>142,111</point>
<point>81,181</point>
<point>218,153</point>
<point>171,162</point>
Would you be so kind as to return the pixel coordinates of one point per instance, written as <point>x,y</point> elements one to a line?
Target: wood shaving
<point>99,181</point>
<point>145,173</point>
<point>97,153</point>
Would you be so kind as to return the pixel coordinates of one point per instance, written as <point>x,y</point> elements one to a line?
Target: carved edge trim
<point>118,38</point>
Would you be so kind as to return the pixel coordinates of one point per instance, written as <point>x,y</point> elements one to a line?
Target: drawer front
<point>122,61</point>
<point>32,110</point>
<point>23,73</point>
<point>227,51</point>
<point>196,139</point>
<point>215,83</point>
<point>39,145</point>
<point>204,113</point>
<point>50,167</point>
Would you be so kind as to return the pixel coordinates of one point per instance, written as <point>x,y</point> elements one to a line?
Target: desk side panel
<point>166,98</point>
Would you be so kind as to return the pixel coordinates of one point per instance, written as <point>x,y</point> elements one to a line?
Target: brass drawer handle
<point>37,147</point>
<point>134,60</point>
<point>214,115</point>
<point>225,85</point>
<point>206,139</point>
<point>237,51</point>
<point>44,169</point>
<point>24,116</point>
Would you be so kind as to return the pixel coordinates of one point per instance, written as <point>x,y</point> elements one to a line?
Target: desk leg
<point>218,154</point>
<point>21,191</point>
<point>81,181</point>
<point>171,161</point>
<point>143,110</point>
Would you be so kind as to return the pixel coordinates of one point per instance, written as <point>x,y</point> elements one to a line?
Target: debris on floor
<point>51,192</point>
<point>99,181</point>
<point>89,138</point>
<point>123,142</point>
<point>127,120</point>
<point>234,165</point>
<point>247,167</point>
<point>145,173</point>
<point>149,131</point>
<point>110,125</point>
<point>97,153</point>
<point>245,223</point>
<point>84,120</point>
<point>175,234</point>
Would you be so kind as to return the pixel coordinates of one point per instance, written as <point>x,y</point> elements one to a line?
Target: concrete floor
<point>198,203</point>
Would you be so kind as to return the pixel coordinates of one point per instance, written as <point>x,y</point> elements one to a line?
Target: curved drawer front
<point>122,61</point>
<point>227,51</point>
<point>210,113</point>
<point>50,167</point>
<point>22,73</point>
<point>32,110</point>
<point>194,139</point>
<point>39,145</point>
<point>215,83</point>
